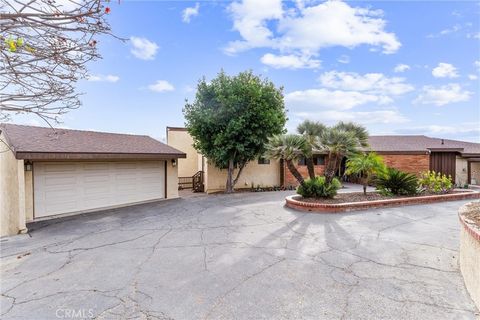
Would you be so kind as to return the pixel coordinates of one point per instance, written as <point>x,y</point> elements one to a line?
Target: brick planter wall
<point>470,255</point>
<point>295,202</point>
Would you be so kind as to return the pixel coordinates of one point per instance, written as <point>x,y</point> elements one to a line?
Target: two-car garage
<point>45,173</point>
<point>65,187</point>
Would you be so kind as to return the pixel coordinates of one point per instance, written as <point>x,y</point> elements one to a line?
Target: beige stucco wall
<point>181,140</point>
<point>470,263</point>
<point>29,196</point>
<point>264,175</point>
<point>12,192</point>
<point>475,172</point>
<point>172,180</point>
<point>461,171</point>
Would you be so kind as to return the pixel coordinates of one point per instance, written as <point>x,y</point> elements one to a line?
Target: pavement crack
<point>219,300</point>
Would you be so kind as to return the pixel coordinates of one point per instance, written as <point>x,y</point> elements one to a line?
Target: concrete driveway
<point>242,256</point>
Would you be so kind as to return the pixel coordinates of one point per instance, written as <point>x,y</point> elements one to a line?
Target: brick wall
<point>413,163</point>
<point>290,179</point>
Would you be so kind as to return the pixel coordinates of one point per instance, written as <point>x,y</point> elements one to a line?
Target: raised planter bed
<point>469,216</point>
<point>295,202</point>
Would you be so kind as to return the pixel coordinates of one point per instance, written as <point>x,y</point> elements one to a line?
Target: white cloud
<point>466,130</point>
<point>363,117</point>
<point>143,48</point>
<point>329,99</point>
<point>103,78</point>
<point>290,61</point>
<point>474,35</point>
<point>250,20</point>
<point>401,68</point>
<point>445,32</point>
<point>442,95</point>
<point>342,92</point>
<point>472,77</point>
<point>445,70</point>
<point>373,83</point>
<point>161,86</point>
<point>305,30</point>
<point>190,12</point>
<point>344,59</point>
<point>477,64</point>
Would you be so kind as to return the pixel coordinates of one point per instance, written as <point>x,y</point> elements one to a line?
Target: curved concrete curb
<point>470,254</point>
<point>295,203</point>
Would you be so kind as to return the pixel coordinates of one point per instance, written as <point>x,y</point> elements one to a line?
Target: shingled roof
<point>29,142</point>
<point>420,143</point>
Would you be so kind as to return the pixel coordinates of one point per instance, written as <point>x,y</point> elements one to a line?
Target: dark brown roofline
<point>402,152</point>
<point>470,155</point>
<point>176,129</point>
<point>96,156</point>
<point>446,149</point>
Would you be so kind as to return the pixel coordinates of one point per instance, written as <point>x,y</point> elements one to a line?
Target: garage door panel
<point>58,168</point>
<point>81,186</point>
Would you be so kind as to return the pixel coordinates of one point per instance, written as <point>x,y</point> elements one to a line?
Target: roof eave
<point>96,156</point>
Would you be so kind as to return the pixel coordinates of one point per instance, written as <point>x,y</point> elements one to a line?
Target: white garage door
<point>64,187</point>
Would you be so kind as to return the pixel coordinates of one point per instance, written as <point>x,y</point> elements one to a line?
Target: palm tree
<point>289,147</point>
<point>341,140</point>
<point>365,165</point>
<point>311,130</point>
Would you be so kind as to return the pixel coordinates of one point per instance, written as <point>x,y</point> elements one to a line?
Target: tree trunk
<point>330,168</point>
<point>365,184</point>
<point>310,167</point>
<point>295,172</point>
<point>229,185</point>
<point>238,174</point>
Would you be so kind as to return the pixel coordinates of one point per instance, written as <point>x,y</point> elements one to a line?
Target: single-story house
<point>410,153</point>
<point>45,173</point>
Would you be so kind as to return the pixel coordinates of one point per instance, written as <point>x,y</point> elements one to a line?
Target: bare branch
<point>45,46</point>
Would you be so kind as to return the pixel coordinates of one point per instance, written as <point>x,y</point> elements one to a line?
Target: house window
<point>317,161</point>
<point>262,160</point>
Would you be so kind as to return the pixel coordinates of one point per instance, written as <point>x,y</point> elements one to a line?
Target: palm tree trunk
<point>294,171</point>
<point>310,167</point>
<point>330,168</point>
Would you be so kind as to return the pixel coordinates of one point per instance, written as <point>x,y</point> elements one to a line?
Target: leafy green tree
<point>311,130</point>
<point>232,118</point>
<point>339,141</point>
<point>366,166</point>
<point>289,147</point>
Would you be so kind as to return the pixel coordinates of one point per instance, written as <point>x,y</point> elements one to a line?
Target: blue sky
<point>404,67</point>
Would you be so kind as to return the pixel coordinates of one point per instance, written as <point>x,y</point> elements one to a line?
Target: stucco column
<point>22,227</point>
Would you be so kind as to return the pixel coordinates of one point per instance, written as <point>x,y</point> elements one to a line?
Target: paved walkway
<point>241,256</point>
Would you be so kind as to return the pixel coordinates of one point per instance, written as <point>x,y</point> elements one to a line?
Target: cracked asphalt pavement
<point>241,256</point>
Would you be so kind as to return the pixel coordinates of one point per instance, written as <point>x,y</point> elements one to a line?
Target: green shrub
<point>397,182</point>
<point>435,182</point>
<point>319,188</point>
